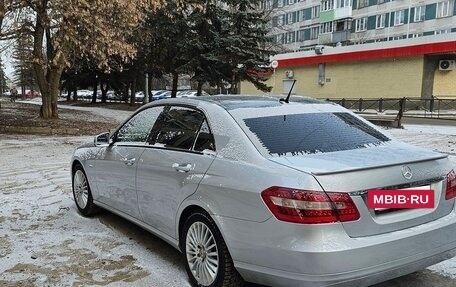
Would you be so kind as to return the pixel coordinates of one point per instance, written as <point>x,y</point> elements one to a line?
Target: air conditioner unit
<point>447,65</point>
<point>289,74</point>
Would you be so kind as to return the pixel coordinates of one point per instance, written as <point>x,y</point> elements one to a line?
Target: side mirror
<point>102,139</point>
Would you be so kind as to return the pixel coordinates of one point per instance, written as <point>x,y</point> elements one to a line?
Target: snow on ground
<point>44,241</point>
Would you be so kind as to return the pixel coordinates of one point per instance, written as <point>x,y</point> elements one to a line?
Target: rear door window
<point>177,128</point>
<point>311,133</point>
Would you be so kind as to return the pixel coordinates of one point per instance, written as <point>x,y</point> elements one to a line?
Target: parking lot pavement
<point>45,242</point>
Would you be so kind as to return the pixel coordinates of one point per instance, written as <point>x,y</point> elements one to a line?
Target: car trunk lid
<point>357,171</point>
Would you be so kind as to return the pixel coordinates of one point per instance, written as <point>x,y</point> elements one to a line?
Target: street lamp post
<point>146,89</point>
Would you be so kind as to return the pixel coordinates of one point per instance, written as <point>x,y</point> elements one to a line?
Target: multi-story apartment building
<point>302,24</point>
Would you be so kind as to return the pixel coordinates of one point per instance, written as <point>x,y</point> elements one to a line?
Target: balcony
<point>324,39</point>
<point>343,12</point>
<point>341,36</point>
<point>333,38</point>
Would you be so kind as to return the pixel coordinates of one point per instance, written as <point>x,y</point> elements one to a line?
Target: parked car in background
<point>113,96</point>
<point>190,93</point>
<point>156,92</point>
<point>85,94</point>
<point>159,95</point>
<point>139,97</point>
<point>32,94</point>
<point>269,191</point>
<point>194,93</point>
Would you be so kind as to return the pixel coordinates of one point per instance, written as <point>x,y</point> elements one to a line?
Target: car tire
<point>207,260</point>
<point>81,192</point>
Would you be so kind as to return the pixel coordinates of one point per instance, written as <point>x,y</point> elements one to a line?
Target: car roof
<point>235,102</point>
<point>231,102</point>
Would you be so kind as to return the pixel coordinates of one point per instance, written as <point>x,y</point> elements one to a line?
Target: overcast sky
<point>7,64</point>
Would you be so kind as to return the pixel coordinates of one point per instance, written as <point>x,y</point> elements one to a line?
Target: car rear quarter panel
<point>233,188</point>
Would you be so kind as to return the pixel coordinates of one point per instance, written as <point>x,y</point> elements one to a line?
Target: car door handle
<point>182,167</point>
<point>129,161</point>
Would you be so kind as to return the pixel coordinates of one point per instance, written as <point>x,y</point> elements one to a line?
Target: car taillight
<point>451,185</point>
<point>309,207</point>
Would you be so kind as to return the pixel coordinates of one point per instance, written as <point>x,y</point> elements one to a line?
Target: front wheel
<point>208,261</point>
<point>81,192</point>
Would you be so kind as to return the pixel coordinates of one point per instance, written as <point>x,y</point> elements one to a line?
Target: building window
<point>399,17</point>
<point>363,3</point>
<point>444,31</point>
<point>266,5</point>
<point>361,24</point>
<point>274,21</point>
<point>381,1</point>
<point>290,37</point>
<point>342,25</point>
<point>315,11</point>
<point>444,9</point>
<point>380,21</point>
<point>343,3</point>
<point>327,5</point>
<point>420,13</point>
<point>398,37</point>
<point>280,39</point>
<point>301,36</point>
<point>280,3</point>
<point>280,20</point>
<point>326,27</point>
<point>314,31</point>
<point>417,35</point>
<point>289,18</point>
<point>302,15</point>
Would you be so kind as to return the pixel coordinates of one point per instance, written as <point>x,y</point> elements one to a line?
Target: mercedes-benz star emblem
<point>407,172</point>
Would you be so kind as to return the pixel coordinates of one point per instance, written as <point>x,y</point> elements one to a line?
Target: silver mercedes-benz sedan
<point>272,192</point>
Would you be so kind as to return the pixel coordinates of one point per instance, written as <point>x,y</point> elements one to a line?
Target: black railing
<point>433,107</point>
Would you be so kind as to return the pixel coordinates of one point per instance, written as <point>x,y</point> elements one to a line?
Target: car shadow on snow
<point>142,238</point>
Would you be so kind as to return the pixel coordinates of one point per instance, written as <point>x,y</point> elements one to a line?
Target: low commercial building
<point>421,67</point>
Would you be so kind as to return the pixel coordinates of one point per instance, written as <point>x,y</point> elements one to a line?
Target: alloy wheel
<point>81,189</point>
<point>202,253</point>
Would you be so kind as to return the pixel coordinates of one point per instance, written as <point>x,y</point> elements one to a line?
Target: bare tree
<point>96,29</point>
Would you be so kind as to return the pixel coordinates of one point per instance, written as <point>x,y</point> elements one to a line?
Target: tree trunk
<point>150,87</point>
<point>69,95</point>
<point>75,94</point>
<point>199,88</point>
<point>125,93</point>
<point>47,70</point>
<point>133,92</point>
<point>175,82</point>
<point>49,92</point>
<point>104,91</point>
<point>234,89</point>
<point>95,90</point>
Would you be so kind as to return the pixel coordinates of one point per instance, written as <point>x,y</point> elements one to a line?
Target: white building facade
<point>299,25</point>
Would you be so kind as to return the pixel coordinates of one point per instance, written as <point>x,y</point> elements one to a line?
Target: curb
<point>37,130</point>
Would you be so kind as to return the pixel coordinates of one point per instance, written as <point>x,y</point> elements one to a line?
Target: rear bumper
<point>363,277</point>
<point>275,253</point>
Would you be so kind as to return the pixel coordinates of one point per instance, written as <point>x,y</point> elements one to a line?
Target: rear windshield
<point>311,133</point>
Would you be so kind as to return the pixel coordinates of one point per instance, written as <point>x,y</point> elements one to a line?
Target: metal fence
<point>425,107</point>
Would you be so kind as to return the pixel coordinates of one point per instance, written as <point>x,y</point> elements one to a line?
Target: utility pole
<point>146,89</point>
